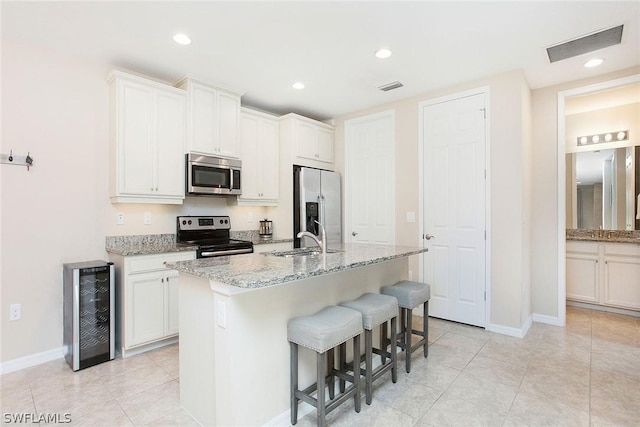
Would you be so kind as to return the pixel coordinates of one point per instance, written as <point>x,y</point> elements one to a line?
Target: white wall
<point>509,106</point>
<point>544,256</point>
<point>56,108</point>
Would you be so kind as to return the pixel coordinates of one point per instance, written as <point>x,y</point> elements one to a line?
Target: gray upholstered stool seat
<point>410,295</point>
<point>376,309</point>
<point>322,332</point>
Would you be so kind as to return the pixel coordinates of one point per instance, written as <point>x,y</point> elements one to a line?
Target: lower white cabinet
<point>147,301</point>
<point>604,273</point>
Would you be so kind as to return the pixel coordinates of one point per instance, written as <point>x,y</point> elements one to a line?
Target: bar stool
<point>376,309</point>
<point>322,333</point>
<point>410,295</point>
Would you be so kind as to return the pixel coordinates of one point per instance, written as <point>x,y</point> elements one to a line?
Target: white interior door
<point>370,179</point>
<point>454,200</point>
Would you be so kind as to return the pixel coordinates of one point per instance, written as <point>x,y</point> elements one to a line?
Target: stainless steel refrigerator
<point>316,197</point>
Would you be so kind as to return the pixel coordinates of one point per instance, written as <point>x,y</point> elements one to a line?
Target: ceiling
<point>261,48</point>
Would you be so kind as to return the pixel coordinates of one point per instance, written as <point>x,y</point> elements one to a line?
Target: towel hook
<point>11,155</point>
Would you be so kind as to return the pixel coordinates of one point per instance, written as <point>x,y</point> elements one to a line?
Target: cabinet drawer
<point>583,247</point>
<point>624,249</point>
<point>144,263</point>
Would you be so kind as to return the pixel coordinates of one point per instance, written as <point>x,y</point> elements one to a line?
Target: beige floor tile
<point>179,417</point>
<point>472,331</point>
<point>407,396</point>
<point>458,412</point>
<point>530,411</point>
<point>16,398</point>
<point>151,404</point>
<point>77,400</point>
<point>574,394</point>
<point>137,381</point>
<point>430,373</point>
<point>464,343</point>
<point>110,415</point>
<point>489,394</point>
<point>569,371</point>
<point>450,357</point>
<point>507,351</point>
<point>496,370</point>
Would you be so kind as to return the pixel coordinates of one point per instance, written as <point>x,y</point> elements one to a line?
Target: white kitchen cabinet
<point>147,141</point>
<point>604,273</point>
<point>259,152</point>
<point>213,117</point>
<point>312,140</point>
<point>146,301</point>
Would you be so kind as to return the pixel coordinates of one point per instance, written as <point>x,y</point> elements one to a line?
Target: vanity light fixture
<point>182,39</point>
<point>383,53</point>
<point>298,85</point>
<point>622,135</point>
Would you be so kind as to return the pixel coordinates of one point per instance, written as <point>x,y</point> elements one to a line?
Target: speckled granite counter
<point>145,244</point>
<point>260,270</point>
<point>607,236</point>
<point>254,237</point>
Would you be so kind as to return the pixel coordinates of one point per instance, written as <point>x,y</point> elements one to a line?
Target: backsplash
<point>140,239</point>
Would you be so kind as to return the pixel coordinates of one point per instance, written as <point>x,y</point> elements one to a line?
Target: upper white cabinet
<point>147,140</point>
<point>213,119</point>
<point>312,141</point>
<point>259,152</point>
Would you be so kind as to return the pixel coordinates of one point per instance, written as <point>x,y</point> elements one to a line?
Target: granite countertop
<point>609,236</point>
<point>145,244</point>
<point>254,237</point>
<point>252,271</point>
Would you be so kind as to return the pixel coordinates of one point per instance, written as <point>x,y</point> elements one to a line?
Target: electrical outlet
<point>15,312</point>
<point>222,315</point>
<point>147,218</point>
<point>250,217</point>
<point>120,218</point>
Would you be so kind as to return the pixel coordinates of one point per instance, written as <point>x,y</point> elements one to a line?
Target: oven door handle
<point>229,252</point>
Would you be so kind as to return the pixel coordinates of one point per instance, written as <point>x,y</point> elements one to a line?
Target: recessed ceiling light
<point>593,62</point>
<point>383,53</point>
<point>182,39</point>
<point>298,85</point>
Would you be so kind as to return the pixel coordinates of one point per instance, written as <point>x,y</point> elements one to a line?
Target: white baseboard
<point>284,419</point>
<point>31,360</point>
<point>512,332</point>
<point>549,320</point>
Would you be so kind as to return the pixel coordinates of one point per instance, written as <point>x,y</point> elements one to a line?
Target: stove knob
<point>226,221</point>
<point>189,222</point>
<point>221,222</point>
<point>184,222</point>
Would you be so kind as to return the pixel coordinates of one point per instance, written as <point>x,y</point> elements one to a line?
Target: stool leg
<point>394,351</point>
<point>342,363</point>
<point>330,368</point>
<point>403,328</point>
<point>368,363</point>
<point>383,341</point>
<point>356,372</point>
<point>425,328</point>
<point>294,382</point>
<point>321,408</point>
<point>407,339</point>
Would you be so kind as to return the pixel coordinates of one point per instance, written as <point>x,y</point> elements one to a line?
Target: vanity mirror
<point>602,189</point>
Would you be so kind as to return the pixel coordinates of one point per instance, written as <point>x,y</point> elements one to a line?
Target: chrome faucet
<point>321,243</point>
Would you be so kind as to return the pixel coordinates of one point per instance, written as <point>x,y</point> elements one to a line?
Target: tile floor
<point>587,374</point>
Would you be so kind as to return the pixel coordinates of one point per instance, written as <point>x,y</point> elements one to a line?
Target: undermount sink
<point>300,252</point>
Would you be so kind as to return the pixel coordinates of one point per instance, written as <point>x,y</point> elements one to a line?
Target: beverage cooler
<point>89,314</point>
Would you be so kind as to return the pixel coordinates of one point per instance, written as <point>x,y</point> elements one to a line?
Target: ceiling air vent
<point>586,44</point>
<point>390,86</point>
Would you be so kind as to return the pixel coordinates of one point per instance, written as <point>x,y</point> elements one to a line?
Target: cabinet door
<point>134,141</point>
<point>270,154</point>
<point>622,282</point>
<point>307,140</point>
<point>582,278</point>
<point>171,303</point>
<point>204,111</point>
<point>170,145</point>
<point>145,308</point>
<point>250,156</point>
<point>228,124</point>
<point>325,145</point>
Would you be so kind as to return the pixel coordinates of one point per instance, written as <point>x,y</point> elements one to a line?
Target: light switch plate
<point>147,218</point>
<point>120,218</point>
<point>411,217</point>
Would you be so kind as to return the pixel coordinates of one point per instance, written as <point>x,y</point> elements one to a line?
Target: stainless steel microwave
<point>209,175</point>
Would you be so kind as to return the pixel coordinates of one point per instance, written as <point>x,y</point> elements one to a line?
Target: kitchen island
<point>234,353</point>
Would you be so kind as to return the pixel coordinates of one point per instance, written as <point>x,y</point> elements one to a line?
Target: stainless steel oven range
<point>211,235</point>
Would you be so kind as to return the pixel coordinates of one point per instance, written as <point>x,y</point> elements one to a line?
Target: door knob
<point>429,236</point>
<point>354,234</point>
